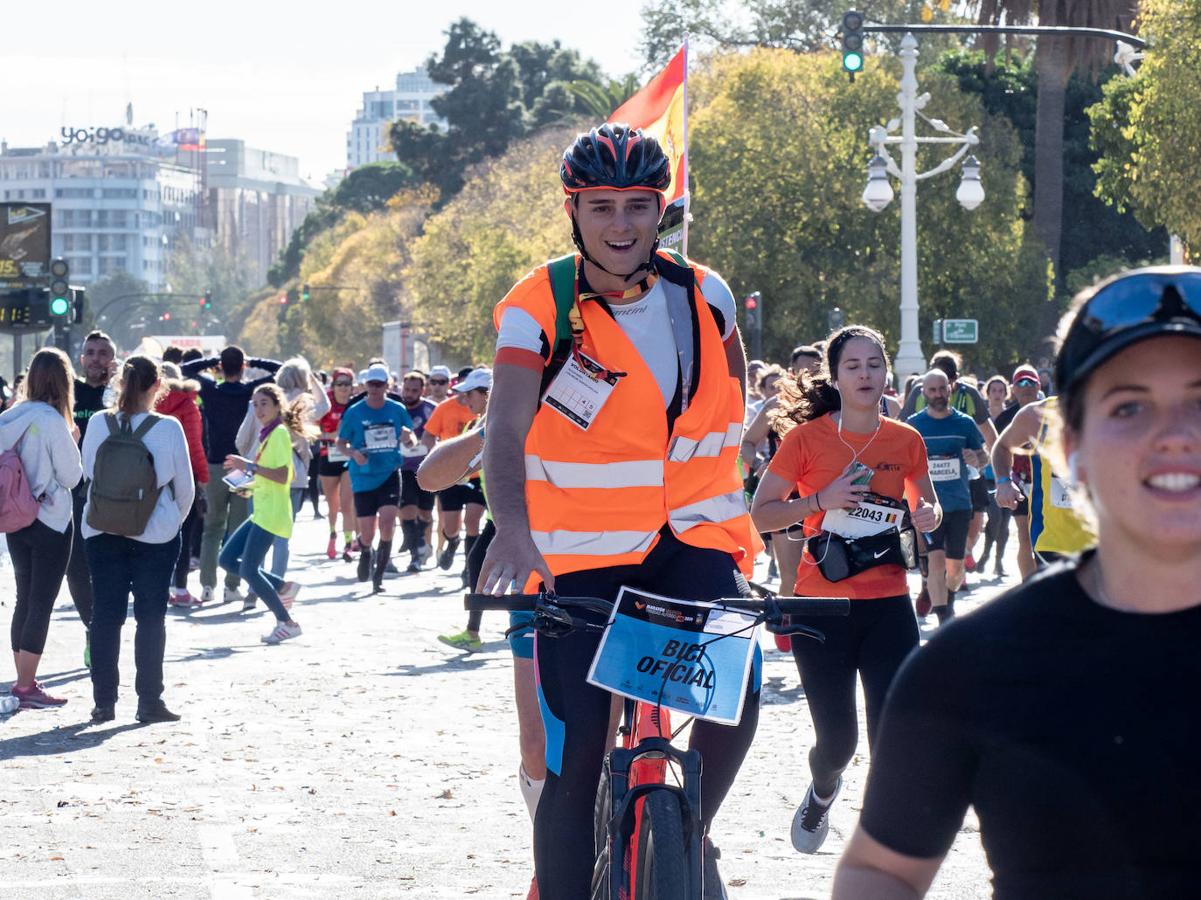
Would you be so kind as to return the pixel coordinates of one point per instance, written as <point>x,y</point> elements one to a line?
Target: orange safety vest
<point>598,498</point>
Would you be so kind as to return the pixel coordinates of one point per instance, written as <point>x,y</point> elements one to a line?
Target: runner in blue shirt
<point>953,442</point>
<point>370,434</point>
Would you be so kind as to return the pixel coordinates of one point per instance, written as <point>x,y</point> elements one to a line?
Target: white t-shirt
<point>645,322</point>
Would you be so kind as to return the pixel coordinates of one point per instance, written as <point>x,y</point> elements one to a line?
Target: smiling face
<point>266,410</point>
<point>618,227</point>
<point>1138,448</point>
<point>862,371</point>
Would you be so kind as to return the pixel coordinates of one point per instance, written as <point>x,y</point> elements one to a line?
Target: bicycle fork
<point>625,806</point>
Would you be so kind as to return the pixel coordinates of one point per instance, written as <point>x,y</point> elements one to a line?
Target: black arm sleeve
<point>267,365</point>
<point>924,758</point>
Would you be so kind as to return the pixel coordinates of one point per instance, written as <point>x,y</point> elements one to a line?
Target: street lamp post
<point>878,193</point>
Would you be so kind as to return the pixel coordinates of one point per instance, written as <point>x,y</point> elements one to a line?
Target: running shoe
<point>464,641</point>
<point>186,600</point>
<point>811,823</point>
<point>447,556</point>
<point>249,603</point>
<point>533,892</point>
<point>348,552</point>
<point>922,604</point>
<point>413,567</point>
<point>713,887</point>
<point>356,545</point>
<point>207,595</point>
<point>233,595</point>
<point>287,593</point>
<point>364,571</point>
<point>969,563</point>
<point>282,632</point>
<point>36,697</point>
<point>331,549</point>
<point>424,552</point>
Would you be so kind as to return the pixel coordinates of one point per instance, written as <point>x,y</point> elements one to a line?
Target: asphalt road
<point>363,759</point>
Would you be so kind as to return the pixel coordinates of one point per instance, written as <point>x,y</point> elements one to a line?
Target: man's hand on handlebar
<point>512,556</point>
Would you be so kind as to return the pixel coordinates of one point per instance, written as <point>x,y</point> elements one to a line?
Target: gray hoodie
<point>49,456</point>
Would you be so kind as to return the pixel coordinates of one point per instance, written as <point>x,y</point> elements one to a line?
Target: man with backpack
<point>223,406</point>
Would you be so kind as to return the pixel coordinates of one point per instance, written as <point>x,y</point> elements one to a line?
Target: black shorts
<point>327,469</point>
<point>979,488</point>
<point>455,498</point>
<point>368,503</point>
<point>411,493</point>
<point>951,534</point>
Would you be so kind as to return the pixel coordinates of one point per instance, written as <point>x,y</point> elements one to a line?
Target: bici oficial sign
<point>694,658</point>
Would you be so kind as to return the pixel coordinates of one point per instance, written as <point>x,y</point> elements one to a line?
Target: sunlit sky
<point>286,77</point>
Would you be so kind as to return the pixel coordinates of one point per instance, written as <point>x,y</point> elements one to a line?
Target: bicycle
<point>651,828</point>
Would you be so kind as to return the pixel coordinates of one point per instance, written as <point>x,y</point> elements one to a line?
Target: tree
<point>1148,128</point>
<point>1055,59</point>
<point>779,160</point>
<point>598,100</point>
<point>195,268</point>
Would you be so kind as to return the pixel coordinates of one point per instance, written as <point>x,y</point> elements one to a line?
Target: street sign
<point>960,331</point>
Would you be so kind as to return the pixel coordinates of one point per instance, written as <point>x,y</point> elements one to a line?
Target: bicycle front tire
<point>661,869</point>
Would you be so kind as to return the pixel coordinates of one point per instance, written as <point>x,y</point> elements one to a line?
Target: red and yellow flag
<point>660,110</point>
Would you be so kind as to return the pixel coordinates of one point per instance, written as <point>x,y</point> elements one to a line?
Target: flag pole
<point>687,192</point>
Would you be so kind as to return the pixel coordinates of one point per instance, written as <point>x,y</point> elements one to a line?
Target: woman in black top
<point>1066,711</point>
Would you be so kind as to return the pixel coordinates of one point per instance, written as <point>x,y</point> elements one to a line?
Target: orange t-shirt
<point>448,419</point>
<point>812,456</point>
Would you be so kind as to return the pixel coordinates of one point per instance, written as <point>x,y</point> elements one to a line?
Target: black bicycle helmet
<point>616,157</point>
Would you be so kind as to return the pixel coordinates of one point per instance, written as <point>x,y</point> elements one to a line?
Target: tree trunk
<point>1054,69</point>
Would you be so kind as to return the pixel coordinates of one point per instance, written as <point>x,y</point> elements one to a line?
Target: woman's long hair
<point>813,396</point>
<point>51,380</point>
<point>295,415</point>
<point>138,377</point>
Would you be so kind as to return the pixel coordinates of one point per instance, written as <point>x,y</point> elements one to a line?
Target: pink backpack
<point>18,508</point>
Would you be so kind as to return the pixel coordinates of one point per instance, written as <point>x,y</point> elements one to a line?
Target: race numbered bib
<point>944,468</point>
<point>380,437</point>
<point>1061,493</point>
<point>333,454</point>
<point>864,520</point>
<point>580,390</point>
<point>694,658</point>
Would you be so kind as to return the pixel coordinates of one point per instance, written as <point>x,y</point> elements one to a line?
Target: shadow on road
<point>60,678</point>
<point>776,693</point>
<point>451,664</point>
<point>62,739</point>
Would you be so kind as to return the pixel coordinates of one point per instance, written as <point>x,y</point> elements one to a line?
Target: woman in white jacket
<point>40,427</point>
<point>141,564</point>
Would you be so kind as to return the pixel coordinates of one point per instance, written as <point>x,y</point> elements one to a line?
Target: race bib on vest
<point>1061,493</point>
<point>333,454</point>
<point>944,468</point>
<point>864,520</point>
<point>580,390</point>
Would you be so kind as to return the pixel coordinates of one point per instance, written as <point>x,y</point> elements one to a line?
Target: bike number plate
<point>690,657</point>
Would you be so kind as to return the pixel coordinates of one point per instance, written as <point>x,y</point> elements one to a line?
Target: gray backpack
<point>125,487</point>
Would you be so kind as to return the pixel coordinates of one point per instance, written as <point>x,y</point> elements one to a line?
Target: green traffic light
<point>852,62</point>
<point>59,306</point>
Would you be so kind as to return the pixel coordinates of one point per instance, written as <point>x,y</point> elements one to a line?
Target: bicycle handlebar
<point>792,606</point>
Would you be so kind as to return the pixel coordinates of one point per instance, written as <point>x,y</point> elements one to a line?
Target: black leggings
<point>79,577</point>
<point>872,642</point>
<point>191,525</point>
<point>576,714</point>
<point>475,562</point>
<point>39,555</point>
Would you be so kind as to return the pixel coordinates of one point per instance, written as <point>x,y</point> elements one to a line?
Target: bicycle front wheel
<point>661,868</point>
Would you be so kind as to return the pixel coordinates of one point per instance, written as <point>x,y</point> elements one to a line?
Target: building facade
<point>121,199</point>
<point>257,199</point>
<point>368,140</point>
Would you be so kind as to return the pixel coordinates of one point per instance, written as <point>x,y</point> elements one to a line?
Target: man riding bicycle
<point>611,460</point>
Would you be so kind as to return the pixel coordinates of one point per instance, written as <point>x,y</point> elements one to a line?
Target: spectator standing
<point>39,427</point>
<point>223,406</point>
<point>97,362</point>
<point>132,546</point>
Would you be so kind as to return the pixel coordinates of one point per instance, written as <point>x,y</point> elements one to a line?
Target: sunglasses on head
<point>1127,303</point>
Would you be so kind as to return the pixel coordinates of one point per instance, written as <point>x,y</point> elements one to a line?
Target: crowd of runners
<point>630,443</point>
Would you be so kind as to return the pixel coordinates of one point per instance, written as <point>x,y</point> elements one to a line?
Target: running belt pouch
<point>840,558</point>
<point>124,488</point>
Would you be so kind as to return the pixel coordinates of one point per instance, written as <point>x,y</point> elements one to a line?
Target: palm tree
<point>1055,59</point>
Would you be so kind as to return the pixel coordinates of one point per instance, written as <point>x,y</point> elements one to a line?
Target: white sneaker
<point>233,595</point>
<point>424,552</point>
<point>811,823</point>
<point>207,595</point>
<point>282,632</point>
